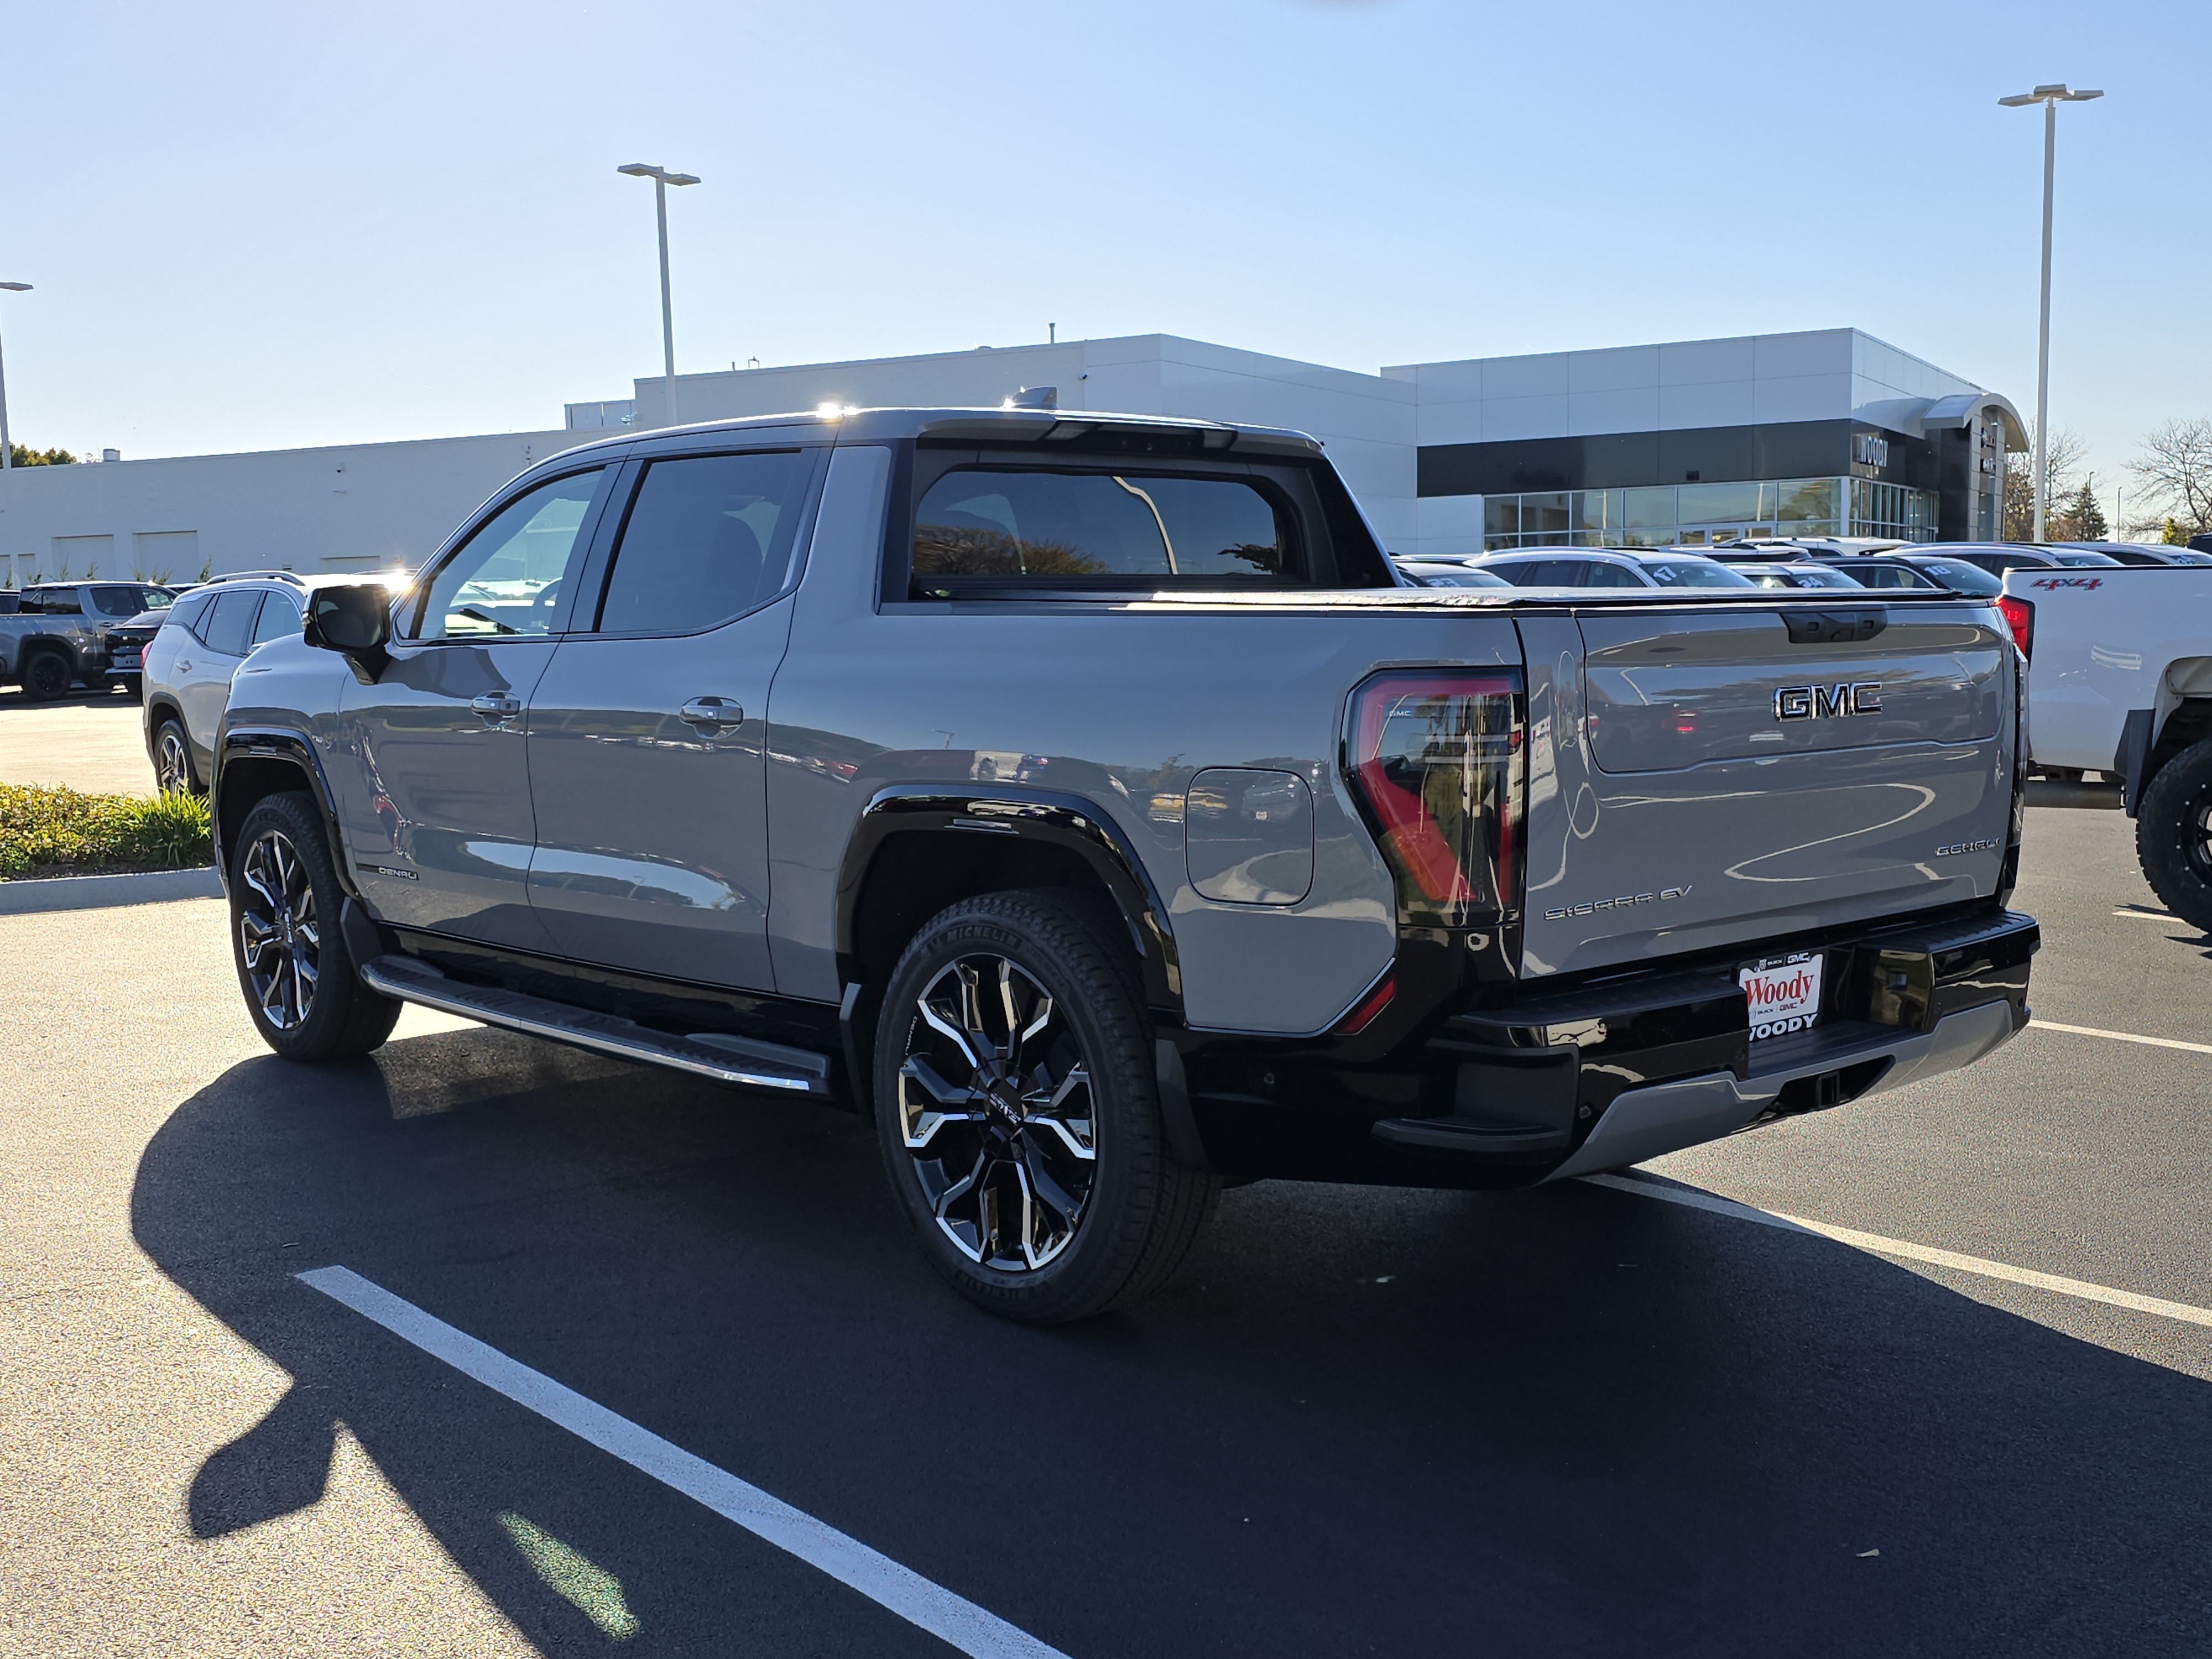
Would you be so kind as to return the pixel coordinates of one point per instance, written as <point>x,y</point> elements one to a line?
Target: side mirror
<point>354,620</point>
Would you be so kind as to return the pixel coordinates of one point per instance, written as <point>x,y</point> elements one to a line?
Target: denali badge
<point>1821,702</point>
<point>1620,903</point>
<point>1957,846</point>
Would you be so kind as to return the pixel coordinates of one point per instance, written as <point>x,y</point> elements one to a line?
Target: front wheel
<point>2174,835</point>
<point>1019,1116</point>
<point>299,978</point>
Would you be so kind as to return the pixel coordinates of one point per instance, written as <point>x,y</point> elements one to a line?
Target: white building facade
<point>1827,432</point>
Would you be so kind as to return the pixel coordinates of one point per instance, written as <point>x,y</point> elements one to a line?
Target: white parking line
<point>2080,1288</point>
<point>928,1606</point>
<point>2148,915</point>
<point>2119,1037</point>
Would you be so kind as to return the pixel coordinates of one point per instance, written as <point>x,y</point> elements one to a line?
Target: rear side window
<point>54,602</point>
<point>186,612</point>
<point>1026,527</point>
<point>709,538</point>
<point>230,627</point>
<point>1696,574</point>
<point>1595,574</point>
<point>279,616</point>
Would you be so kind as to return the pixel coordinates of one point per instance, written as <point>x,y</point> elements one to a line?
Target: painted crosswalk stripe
<point>928,1606</point>
<point>1690,1197</point>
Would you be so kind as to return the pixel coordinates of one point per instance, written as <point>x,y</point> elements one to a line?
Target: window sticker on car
<point>1783,994</point>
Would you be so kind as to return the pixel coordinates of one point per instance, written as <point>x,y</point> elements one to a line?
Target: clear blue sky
<point>254,226</point>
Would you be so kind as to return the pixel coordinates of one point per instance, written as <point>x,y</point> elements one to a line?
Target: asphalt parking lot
<point>1581,1420</point>
<point>91,741</point>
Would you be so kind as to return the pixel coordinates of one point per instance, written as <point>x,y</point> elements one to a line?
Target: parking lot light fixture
<point>7,449</point>
<point>2049,97</point>
<point>662,177</point>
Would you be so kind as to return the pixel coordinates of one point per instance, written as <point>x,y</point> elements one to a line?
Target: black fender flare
<point>1047,816</point>
<point>294,748</point>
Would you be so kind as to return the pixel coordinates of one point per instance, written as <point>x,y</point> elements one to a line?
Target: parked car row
<point>1976,568</point>
<point>59,634</point>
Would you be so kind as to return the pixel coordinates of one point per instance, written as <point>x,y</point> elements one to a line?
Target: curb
<point>19,899</point>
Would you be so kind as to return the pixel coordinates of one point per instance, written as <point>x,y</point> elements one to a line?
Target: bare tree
<point>2174,473</point>
<point>2060,463</point>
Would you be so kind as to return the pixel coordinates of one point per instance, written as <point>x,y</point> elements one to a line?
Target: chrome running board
<point>734,1059</point>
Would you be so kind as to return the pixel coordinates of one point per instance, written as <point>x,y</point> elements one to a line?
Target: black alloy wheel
<point>173,761</point>
<point>1018,1114</point>
<point>2174,835</point>
<point>46,676</point>
<point>299,979</point>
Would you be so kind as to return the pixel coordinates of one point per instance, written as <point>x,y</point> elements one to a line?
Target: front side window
<point>507,578</point>
<point>186,614</point>
<point>708,539</point>
<point>1597,573</point>
<point>156,598</point>
<point>1035,528</point>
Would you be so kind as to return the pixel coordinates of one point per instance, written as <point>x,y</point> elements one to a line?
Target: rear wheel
<point>46,676</point>
<point>1019,1117</point>
<point>299,978</point>
<point>2174,835</point>
<point>174,772</point>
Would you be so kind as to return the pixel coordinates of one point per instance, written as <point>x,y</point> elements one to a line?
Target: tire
<point>294,967</point>
<point>2174,835</point>
<point>172,754</point>
<point>46,676</point>
<point>1042,981</point>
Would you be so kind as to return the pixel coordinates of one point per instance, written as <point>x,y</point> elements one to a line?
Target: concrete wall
<point>365,507</point>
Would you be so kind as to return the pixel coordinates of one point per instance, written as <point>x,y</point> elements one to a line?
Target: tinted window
<point>1962,578</point>
<point>1034,528</point>
<point>157,598</point>
<point>185,613</point>
<point>53,602</point>
<point>229,626</point>
<point>1695,572</point>
<point>1542,573</point>
<point>708,539</point>
<point>508,578</point>
<point>1595,574</point>
<point>117,601</point>
<point>279,616</point>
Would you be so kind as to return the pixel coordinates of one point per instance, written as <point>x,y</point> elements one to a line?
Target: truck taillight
<point>1435,762</point>
<point>2020,616</point>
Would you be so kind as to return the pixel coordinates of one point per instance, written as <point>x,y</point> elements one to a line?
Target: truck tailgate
<point>1699,778</point>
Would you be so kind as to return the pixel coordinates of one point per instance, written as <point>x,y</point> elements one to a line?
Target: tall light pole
<point>661,180</point>
<point>2050,98</point>
<point>7,449</point>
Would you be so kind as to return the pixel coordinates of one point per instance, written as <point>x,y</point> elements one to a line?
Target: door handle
<point>184,666</point>
<point>495,708</point>
<point>711,715</point>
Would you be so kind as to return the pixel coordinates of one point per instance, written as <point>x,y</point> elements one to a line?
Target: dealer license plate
<point>1783,994</point>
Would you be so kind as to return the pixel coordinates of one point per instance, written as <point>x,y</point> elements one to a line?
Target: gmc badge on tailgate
<point>1821,702</point>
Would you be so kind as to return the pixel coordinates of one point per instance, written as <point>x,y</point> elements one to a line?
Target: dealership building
<point>1828,432</point>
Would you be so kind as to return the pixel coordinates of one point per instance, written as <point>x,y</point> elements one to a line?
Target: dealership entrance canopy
<point>1825,432</point>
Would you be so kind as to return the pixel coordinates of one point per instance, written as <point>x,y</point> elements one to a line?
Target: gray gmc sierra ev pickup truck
<point>1081,799</point>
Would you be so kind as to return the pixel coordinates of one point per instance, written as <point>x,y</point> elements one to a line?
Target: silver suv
<point>186,670</point>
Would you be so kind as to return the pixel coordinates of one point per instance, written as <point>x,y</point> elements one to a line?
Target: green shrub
<point>60,832</point>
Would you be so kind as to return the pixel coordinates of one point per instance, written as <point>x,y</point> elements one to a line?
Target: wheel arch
<point>250,765</point>
<point>919,848</point>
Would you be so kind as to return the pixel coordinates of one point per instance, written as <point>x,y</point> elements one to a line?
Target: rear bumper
<point>1611,1072</point>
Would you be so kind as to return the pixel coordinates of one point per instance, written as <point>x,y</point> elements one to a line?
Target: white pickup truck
<point>2120,683</point>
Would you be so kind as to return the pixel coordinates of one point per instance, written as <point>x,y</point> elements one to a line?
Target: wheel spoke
<point>971,1012</point>
<point>936,1024</point>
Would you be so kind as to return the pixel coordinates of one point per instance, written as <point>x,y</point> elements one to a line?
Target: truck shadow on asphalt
<point>1561,1422</point>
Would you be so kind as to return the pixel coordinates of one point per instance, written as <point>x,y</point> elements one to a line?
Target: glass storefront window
<point>1648,509</point>
<point>1501,516</point>
<point>1598,509</point>
<point>1717,503</point>
<point>1804,499</point>
<point>1544,516</point>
